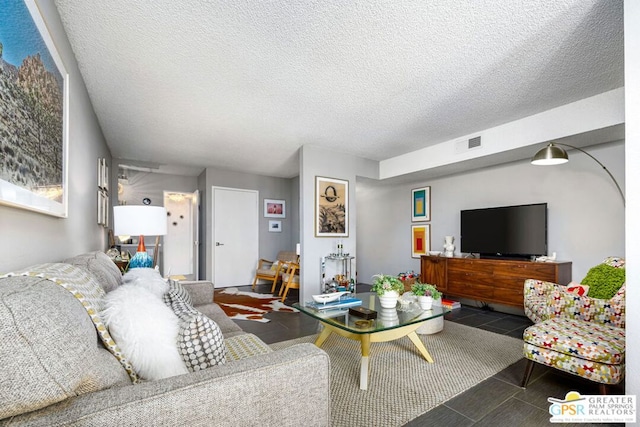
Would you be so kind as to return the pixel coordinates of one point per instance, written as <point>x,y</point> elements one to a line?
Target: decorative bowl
<point>325,298</point>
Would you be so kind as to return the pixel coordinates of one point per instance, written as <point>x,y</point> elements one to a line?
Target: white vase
<point>389,299</point>
<point>425,302</point>
<point>432,326</point>
<point>389,317</point>
<point>449,247</point>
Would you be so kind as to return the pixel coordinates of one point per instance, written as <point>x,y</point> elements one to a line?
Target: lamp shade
<point>139,220</point>
<point>550,155</point>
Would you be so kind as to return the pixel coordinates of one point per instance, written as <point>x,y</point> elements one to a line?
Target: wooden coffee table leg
<point>367,339</point>
<point>323,336</point>
<point>418,343</point>
<point>365,345</point>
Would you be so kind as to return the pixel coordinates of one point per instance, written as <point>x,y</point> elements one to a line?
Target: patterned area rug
<point>402,385</point>
<point>240,305</point>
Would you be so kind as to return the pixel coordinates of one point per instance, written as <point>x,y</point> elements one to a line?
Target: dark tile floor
<point>497,401</point>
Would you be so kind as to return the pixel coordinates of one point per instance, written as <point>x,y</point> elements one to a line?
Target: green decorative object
<point>384,283</point>
<point>425,289</point>
<point>604,281</point>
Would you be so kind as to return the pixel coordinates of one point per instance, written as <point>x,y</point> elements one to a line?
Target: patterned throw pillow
<point>201,343</point>
<point>200,340</point>
<point>614,261</point>
<point>577,288</point>
<point>180,291</point>
<point>180,307</point>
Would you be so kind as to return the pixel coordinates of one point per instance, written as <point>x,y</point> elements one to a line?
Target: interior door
<point>196,234</point>
<point>235,236</point>
<point>180,244</point>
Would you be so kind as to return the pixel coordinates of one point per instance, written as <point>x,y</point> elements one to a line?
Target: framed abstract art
<point>420,240</point>
<point>421,204</point>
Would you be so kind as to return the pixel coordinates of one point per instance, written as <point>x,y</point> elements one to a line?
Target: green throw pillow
<point>604,281</point>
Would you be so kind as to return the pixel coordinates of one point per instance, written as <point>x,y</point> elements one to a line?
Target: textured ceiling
<point>241,85</point>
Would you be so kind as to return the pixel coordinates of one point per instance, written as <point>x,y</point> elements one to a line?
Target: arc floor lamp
<point>554,155</point>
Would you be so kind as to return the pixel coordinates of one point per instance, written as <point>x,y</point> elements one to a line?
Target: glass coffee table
<point>390,324</point>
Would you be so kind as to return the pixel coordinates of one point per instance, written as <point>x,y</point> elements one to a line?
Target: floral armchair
<point>544,300</point>
<point>575,333</point>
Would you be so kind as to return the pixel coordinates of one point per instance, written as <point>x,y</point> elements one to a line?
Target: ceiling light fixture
<point>554,155</point>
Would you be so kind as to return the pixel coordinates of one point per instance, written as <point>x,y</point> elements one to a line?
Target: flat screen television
<point>517,232</point>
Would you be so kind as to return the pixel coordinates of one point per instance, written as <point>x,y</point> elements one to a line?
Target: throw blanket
<point>88,292</point>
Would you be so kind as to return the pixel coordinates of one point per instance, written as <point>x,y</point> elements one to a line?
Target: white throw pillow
<point>148,278</point>
<point>146,331</point>
<point>140,273</point>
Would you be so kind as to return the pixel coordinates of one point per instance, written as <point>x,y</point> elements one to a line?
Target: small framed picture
<point>421,204</point>
<point>274,208</point>
<point>275,226</point>
<point>420,240</point>
<point>103,174</point>
<point>103,208</point>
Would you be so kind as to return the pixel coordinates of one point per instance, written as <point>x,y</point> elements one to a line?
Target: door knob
<point>219,244</point>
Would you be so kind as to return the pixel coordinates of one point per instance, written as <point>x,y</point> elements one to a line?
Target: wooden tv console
<point>489,280</point>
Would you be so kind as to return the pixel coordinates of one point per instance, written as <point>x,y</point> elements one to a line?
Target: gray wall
<point>153,185</point>
<point>314,162</point>
<point>28,237</point>
<point>268,188</point>
<point>586,214</point>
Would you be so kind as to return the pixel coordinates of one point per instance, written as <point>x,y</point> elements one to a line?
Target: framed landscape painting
<point>420,240</point>
<point>332,207</point>
<point>421,204</point>
<point>34,104</point>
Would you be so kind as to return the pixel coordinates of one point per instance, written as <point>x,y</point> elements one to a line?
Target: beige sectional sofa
<point>55,369</point>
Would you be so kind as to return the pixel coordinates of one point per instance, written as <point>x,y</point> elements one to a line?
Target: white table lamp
<point>140,220</point>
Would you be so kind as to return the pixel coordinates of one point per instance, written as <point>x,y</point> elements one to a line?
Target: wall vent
<point>465,145</point>
<point>474,143</point>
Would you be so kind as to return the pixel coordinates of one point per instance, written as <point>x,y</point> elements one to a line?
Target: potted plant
<point>388,289</point>
<point>426,293</point>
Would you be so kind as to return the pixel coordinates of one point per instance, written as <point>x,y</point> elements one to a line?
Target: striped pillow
<point>200,340</point>
<point>180,291</point>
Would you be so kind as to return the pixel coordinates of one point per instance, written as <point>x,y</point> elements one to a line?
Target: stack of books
<point>343,302</point>
<point>450,304</point>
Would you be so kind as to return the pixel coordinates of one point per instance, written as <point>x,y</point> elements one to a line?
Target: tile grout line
<point>457,412</point>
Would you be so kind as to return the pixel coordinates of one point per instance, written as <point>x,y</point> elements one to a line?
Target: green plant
<point>604,281</point>
<point>383,283</point>
<point>425,289</point>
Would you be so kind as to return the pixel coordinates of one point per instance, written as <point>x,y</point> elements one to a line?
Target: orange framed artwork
<point>420,239</point>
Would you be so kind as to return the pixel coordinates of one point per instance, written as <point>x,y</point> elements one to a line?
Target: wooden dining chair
<point>272,270</point>
<point>290,279</point>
